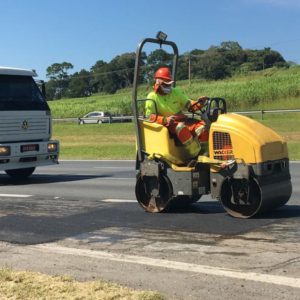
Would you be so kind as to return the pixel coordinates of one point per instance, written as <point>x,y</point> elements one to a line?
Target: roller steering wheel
<point>212,108</point>
<point>215,107</point>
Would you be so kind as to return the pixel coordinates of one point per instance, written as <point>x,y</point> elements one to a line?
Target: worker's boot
<point>193,148</point>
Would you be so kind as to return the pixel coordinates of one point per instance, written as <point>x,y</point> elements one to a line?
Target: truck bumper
<point>28,154</point>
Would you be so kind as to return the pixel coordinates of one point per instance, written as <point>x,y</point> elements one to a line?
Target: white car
<point>95,117</point>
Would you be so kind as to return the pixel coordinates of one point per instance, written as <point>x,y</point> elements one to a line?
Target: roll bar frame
<point>140,47</point>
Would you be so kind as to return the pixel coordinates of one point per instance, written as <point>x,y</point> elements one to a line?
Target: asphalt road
<point>83,218</point>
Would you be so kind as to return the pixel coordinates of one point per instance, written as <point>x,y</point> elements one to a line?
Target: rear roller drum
<point>153,193</point>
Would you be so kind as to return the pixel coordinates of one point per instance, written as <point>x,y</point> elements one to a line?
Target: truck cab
<point>25,124</point>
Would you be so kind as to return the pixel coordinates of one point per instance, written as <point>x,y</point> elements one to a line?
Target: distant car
<point>95,117</point>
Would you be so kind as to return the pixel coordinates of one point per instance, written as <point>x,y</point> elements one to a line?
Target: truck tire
<point>20,173</point>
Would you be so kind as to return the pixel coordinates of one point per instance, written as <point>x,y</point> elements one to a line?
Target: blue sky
<point>36,34</point>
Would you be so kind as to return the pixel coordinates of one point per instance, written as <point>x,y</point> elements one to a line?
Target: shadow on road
<point>213,207</point>
<point>285,212</point>
<point>203,217</point>
<point>42,179</point>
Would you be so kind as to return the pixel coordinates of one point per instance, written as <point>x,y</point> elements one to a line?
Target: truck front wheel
<point>20,173</point>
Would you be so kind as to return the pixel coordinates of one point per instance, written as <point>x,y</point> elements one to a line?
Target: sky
<point>35,34</point>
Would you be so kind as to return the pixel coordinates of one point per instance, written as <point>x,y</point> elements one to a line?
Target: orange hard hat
<point>164,74</point>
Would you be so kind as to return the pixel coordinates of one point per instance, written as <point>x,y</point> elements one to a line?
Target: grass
<point>288,125</point>
<point>268,89</point>
<point>30,285</point>
<point>93,141</point>
<point>117,141</point>
<point>256,91</point>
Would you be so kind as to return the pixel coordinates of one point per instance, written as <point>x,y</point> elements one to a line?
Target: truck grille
<point>222,146</point>
<point>25,128</point>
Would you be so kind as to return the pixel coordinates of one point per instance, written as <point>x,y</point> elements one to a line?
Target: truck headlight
<point>4,150</point>
<point>52,147</point>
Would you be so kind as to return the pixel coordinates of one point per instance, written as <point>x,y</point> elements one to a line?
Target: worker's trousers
<point>191,133</point>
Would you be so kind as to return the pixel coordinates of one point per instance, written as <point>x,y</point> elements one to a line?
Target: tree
<point>98,73</point>
<point>58,74</point>
<point>59,71</point>
<point>80,84</point>
<point>215,63</point>
<point>117,74</point>
<point>124,69</point>
<point>231,46</point>
<point>212,65</point>
<point>266,58</point>
<point>156,59</point>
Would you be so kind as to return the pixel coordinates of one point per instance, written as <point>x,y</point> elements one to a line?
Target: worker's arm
<point>150,111</point>
<point>157,119</point>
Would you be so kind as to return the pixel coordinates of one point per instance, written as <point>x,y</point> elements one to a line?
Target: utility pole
<point>189,69</point>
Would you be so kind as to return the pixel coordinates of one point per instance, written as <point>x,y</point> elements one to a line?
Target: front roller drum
<point>243,198</point>
<point>154,194</point>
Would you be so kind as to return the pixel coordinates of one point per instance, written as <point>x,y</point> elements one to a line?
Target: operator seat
<point>157,141</point>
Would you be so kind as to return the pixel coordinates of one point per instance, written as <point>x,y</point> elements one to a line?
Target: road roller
<point>245,166</point>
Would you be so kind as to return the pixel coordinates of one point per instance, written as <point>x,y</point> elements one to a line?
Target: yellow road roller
<point>246,166</point>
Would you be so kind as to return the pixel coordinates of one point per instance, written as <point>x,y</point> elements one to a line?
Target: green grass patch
<point>117,140</point>
<point>294,150</point>
<point>93,141</point>
<point>268,89</point>
<point>288,125</point>
<point>30,285</point>
<point>280,122</point>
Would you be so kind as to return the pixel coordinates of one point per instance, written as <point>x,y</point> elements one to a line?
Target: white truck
<point>25,124</point>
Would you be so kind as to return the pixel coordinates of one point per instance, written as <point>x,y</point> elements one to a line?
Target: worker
<point>170,103</point>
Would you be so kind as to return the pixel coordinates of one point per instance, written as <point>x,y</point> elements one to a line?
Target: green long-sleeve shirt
<point>167,105</point>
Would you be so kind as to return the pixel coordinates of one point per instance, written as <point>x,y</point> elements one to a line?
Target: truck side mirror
<point>43,86</point>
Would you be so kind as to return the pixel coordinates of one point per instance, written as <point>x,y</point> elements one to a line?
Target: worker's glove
<point>197,105</point>
<point>170,120</point>
<point>175,118</point>
<point>156,118</point>
<point>202,100</point>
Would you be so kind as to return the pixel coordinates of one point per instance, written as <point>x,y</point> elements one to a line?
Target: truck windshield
<point>20,93</point>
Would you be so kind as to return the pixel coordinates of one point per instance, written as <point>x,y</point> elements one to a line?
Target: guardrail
<point>117,119</point>
<point>130,118</point>
<point>263,111</point>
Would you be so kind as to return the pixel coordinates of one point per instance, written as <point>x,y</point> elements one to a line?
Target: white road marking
<point>181,266</point>
<point>129,168</point>
<point>118,201</point>
<point>116,178</point>
<point>15,195</point>
<point>97,160</point>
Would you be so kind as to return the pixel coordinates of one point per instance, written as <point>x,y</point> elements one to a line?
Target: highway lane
<point>68,207</point>
<point>75,197</point>
<point>94,180</point>
<point>79,179</point>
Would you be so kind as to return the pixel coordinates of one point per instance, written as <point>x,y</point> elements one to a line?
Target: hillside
<point>269,89</point>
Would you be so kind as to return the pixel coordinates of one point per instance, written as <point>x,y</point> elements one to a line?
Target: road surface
<point>81,218</point>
